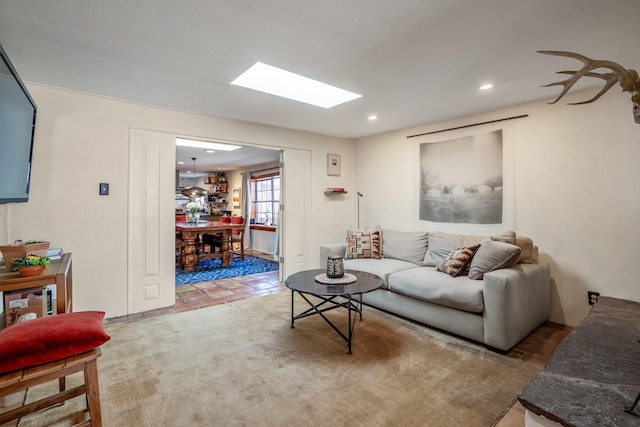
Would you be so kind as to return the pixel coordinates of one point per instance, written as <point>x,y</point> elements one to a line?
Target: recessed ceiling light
<point>279,82</point>
<point>206,145</point>
<point>210,151</point>
<point>181,163</point>
<point>486,86</point>
<point>373,117</point>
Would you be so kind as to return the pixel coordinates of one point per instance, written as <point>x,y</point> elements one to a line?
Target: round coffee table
<point>304,284</point>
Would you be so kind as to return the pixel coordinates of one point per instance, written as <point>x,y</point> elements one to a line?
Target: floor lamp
<point>359,195</point>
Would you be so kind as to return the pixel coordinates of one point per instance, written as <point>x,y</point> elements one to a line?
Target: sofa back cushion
<point>441,244</point>
<point>408,246</point>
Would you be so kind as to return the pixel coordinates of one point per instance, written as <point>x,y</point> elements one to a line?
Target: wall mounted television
<point>17,126</point>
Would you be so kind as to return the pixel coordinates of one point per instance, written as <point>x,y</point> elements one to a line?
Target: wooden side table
<point>59,273</point>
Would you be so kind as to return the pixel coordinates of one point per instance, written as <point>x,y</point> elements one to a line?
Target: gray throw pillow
<point>492,256</point>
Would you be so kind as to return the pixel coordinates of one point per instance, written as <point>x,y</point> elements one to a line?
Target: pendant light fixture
<point>192,191</point>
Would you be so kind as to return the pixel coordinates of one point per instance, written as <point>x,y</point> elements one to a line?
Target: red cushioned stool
<point>50,348</point>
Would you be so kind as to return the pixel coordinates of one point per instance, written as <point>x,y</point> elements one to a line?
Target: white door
<point>151,221</point>
<point>296,215</point>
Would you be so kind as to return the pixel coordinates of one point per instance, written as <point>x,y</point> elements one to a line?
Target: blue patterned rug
<point>211,269</point>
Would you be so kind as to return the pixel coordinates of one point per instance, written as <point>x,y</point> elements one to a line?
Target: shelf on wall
<point>328,192</point>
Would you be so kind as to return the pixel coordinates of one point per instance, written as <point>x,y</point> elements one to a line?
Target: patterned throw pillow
<point>458,261</point>
<point>363,244</point>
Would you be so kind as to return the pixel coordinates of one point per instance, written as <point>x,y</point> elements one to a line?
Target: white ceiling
<point>244,157</point>
<point>414,61</point>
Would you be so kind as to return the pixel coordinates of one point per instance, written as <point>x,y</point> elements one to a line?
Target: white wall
<point>83,140</point>
<point>577,191</point>
<point>576,188</point>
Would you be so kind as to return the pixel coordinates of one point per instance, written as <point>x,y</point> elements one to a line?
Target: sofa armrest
<point>331,249</point>
<point>516,301</point>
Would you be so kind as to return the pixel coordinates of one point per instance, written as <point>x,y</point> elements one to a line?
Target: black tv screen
<point>17,125</point>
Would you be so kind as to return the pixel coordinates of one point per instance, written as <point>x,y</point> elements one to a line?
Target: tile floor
<point>208,294</point>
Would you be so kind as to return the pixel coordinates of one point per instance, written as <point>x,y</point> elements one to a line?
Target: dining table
<point>190,233</point>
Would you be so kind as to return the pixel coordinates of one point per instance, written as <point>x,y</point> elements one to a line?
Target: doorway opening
<point>243,186</point>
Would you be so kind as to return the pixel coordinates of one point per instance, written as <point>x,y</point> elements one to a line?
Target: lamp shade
<point>193,192</point>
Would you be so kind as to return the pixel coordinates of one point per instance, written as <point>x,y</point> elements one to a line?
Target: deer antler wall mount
<point>628,79</point>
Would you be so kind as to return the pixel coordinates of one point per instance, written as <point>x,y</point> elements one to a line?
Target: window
<point>266,198</point>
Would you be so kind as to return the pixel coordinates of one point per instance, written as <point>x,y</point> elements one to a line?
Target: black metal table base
<point>353,306</point>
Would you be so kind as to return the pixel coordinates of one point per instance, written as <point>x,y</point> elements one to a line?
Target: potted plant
<point>30,265</point>
<point>193,212</point>
<point>20,249</point>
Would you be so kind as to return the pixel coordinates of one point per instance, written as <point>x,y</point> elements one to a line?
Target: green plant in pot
<point>30,265</point>
<point>20,249</point>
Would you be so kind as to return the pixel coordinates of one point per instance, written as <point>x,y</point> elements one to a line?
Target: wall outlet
<point>593,297</point>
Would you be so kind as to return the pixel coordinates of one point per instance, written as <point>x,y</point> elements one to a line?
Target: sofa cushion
<point>491,256</point>
<point>457,262</point>
<point>380,267</point>
<point>405,245</point>
<point>430,285</point>
<point>441,244</point>
<point>363,244</point>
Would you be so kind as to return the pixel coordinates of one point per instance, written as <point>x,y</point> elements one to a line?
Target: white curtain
<point>245,204</point>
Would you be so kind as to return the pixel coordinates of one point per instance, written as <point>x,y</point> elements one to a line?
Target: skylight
<point>279,82</point>
<point>206,145</point>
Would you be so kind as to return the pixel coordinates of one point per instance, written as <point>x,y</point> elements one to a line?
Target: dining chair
<point>237,236</point>
<point>215,240</point>
<point>179,245</point>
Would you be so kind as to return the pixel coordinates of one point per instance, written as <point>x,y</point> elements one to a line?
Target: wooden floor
<point>538,346</point>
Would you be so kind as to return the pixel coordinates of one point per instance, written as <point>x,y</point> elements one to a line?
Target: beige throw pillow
<point>493,255</point>
<point>529,254</point>
<point>505,236</point>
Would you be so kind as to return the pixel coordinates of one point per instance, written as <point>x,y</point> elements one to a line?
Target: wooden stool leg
<point>93,392</point>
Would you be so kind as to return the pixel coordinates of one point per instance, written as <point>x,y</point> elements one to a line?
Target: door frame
<point>151,284</point>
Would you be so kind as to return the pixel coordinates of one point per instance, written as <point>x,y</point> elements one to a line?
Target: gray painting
<point>461,180</point>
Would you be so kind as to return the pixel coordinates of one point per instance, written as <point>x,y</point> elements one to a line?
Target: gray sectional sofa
<point>508,299</point>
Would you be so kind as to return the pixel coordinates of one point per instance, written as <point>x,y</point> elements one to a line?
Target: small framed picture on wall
<point>235,197</point>
<point>333,164</point>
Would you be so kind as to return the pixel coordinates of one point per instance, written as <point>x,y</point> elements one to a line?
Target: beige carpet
<point>240,364</point>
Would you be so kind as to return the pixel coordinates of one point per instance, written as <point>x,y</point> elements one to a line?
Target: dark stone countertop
<point>595,371</point>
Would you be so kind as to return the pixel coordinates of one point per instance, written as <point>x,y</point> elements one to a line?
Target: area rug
<point>241,364</point>
<point>212,269</point>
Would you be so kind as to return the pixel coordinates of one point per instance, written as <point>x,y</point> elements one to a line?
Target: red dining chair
<point>215,240</point>
<point>237,236</point>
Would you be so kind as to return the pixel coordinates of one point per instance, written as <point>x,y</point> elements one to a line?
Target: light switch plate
<point>104,189</point>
